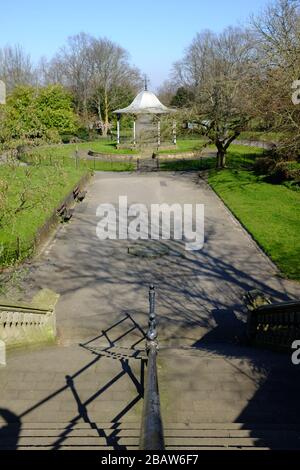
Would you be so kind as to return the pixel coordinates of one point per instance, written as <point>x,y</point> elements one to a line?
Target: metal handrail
<point>152,434</point>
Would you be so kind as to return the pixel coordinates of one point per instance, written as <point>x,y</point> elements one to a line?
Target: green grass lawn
<point>44,188</point>
<point>185,145</point>
<point>199,164</point>
<point>105,146</point>
<point>108,146</point>
<point>109,166</point>
<point>271,213</point>
<point>238,156</point>
<point>58,157</point>
<point>262,136</point>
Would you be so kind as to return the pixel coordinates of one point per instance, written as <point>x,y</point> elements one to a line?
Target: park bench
<point>64,213</point>
<point>79,195</point>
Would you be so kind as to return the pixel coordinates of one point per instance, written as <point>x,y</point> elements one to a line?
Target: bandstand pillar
<point>118,128</point>
<point>174,133</point>
<point>158,133</point>
<point>134,131</point>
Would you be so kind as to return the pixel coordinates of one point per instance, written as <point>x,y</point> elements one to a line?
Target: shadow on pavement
<point>9,434</point>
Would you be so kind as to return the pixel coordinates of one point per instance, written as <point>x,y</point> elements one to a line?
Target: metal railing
<point>152,434</point>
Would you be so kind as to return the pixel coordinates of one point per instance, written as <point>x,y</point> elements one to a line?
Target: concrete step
<point>169,433</point>
<point>52,441</point>
<point>168,426</point>
<point>178,436</point>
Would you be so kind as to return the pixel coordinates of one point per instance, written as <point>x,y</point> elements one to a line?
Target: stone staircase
<point>147,165</point>
<point>218,397</point>
<point>125,436</point>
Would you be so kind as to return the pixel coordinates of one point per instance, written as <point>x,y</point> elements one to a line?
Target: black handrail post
<point>152,435</point>
<point>152,331</point>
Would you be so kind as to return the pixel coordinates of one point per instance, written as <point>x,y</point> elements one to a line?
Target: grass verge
<point>108,147</point>
<point>271,213</point>
<point>31,195</point>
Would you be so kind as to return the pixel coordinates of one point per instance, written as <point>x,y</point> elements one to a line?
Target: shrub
<point>83,134</point>
<point>69,139</point>
<point>264,165</point>
<point>38,114</point>
<point>285,171</point>
<point>52,136</point>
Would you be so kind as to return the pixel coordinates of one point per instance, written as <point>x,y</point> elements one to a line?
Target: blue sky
<point>154,32</point>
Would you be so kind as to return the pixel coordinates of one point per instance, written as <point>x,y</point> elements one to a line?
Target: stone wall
<point>43,233</point>
<point>107,157</point>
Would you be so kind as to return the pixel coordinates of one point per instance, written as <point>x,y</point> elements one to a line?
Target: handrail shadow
<point>11,431</point>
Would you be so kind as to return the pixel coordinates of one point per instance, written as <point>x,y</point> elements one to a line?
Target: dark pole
<point>152,331</point>
<point>152,434</point>
<point>76,158</point>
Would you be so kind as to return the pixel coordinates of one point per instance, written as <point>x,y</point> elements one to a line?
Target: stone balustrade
<point>2,353</point>
<point>23,324</point>
<point>273,325</point>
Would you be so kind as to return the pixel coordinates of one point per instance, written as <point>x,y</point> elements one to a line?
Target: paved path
<point>206,375</point>
<point>99,281</point>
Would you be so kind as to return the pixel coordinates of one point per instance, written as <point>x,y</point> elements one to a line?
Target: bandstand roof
<point>145,103</point>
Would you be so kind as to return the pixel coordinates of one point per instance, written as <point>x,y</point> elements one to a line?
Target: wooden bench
<point>79,195</point>
<point>64,213</point>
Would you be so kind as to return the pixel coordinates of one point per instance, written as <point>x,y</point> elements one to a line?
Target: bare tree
<point>214,68</point>
<point>95,69</point>
<point>71,67</point>
<point>111,75</point>
<point>16,67</point>
<point>277,32</point>
<point>49,72</point>
<point>166,92</point>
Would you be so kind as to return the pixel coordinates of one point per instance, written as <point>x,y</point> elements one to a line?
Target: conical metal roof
<point>145,103</point>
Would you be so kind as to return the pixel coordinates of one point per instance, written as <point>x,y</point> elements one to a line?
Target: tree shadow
<point>229,329</point>
<point>271,415</point>
<point>199,295</point>
<point>10,433</point>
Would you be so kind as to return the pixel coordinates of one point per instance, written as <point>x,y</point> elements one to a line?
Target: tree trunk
<point>99,110</point>
<point>98,103</point>
<point>223,159</point>
<point>85,107</point>
<point>221,156</point>
<point>106,121</point>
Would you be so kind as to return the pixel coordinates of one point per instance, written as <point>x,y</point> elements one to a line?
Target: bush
<point>69,139</point>
<point>264,165</point>
<point>285,171</point>
<point>83,134</point>
<point>296,175</point>
<point>38,115</point>
<point>52,136</point>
